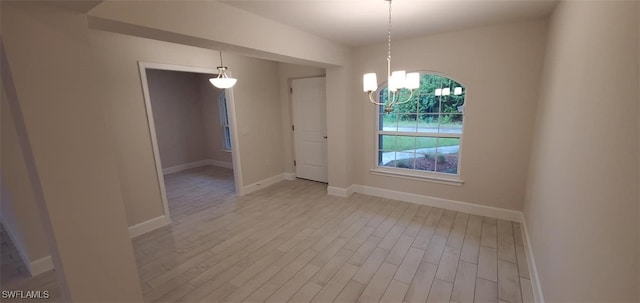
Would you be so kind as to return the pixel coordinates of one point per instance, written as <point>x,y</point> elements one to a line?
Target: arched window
<point>423,136</point>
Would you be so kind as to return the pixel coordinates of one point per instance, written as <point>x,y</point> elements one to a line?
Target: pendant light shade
<point>223,80</point>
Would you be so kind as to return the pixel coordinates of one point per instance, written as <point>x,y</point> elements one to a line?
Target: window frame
<point>223,114</point>
<point>413,174</point>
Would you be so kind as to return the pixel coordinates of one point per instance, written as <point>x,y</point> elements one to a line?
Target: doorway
<point>309,107</point>
<point>179,144</point>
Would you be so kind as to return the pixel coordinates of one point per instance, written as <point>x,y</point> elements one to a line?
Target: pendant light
<point>223,80</point>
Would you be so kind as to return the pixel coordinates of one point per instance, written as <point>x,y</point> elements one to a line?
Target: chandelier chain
<point>389,42</point>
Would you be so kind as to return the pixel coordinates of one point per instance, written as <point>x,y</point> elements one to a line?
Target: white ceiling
<point>362,22</point>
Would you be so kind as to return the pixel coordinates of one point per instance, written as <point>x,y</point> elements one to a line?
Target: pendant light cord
<point>221,58</point>
<point>389,42</point>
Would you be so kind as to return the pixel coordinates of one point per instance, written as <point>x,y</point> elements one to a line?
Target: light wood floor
<point>291,242</point>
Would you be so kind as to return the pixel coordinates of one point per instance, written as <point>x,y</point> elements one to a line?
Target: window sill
<point>225,150</point>
<point>447,180</point>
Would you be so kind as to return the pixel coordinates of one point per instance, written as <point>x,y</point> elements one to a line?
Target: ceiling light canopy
<point>396,81</point>
<point>223,80</point>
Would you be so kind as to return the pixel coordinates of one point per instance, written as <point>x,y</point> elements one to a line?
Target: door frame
<point>231,111</point>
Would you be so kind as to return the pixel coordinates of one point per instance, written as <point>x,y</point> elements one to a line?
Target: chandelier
<point>223,80</point>
<point>396,81</point>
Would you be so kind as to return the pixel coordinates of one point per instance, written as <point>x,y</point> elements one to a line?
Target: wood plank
<point>527,290</point>
<point>448,264</point>
<point>465,284</point>
<point>292,286</point>
<point>351,292</point>
<point>306,293</point>
<point>371,265</point>
<point>489,237</point>
<point>471,244</point>
<point>435,250</point>
<point>421,284</point>
<point>375,289</point>
<point>486,291</point>
<point>440,291</point>
<point>409,265</point>
<point>506,245</point>
<point>395,292</point>
<point>523,268</point>
<point>508,282</point>
<point>428,228</point>
<point>336,284</point>
<point>399,250</point>
<point>488,264</point>
<point>271,286</point>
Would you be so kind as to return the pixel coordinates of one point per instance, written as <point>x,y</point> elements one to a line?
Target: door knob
<point>324,137</point>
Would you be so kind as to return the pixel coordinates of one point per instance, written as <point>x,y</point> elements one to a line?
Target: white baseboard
<point>289,176</point>
<point>217,163</point>
<point>474,209</point>
<point>181,167</point>
<point>35,267</point>
<point>533,272</point>
<point>41,265</point>
<point>261,184</point>
<point>147,226</point>
<point>339,191</point>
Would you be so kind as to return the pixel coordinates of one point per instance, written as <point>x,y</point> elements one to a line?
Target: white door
<point>310,128</point>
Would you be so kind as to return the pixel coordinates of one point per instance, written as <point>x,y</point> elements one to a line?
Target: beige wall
<point>500,67</point>
<point>257,110</point>
<point>18,210</point>
<point>582,198</point>
<point>213,132</point>
<point>177,115</point>
<point>286,73</point>
<point>258,114</point>
<point>118,57</point>
<point>340,120</point>
<point>53,80</point>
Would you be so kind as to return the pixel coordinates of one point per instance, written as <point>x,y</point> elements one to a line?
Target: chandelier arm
<point>405,101</point>
<point>373,101</point>
<point>393,98</point>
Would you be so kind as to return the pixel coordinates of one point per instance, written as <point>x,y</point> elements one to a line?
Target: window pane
<point>428,103</point>
<point>408,107</point>
<point>428,123</point>
<point>451,123</point>
<point>386,158</point>
<point>447,155</point>
<point>405,160</point>
<point>426,142</point>
<point>407,122</point>
<point>424,161</point>
<point>387,143</point>
<point>388,122</point>
<point>452,103</point>
<point>227,137</point>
